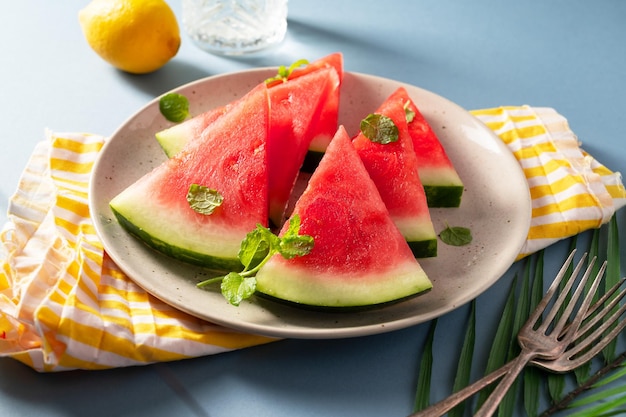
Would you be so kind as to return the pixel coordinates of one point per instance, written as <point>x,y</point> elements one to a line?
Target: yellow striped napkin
<point>65,305</point>
<point>570,191</point>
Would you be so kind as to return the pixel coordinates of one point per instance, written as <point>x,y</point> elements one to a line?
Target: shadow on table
<point>134,391</point>
<point>303,40</point>
<point>174,74</point>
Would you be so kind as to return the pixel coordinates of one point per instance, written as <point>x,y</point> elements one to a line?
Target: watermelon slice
<point>393,168</point>
<point>329,117</point>
<point>359,257</point>
<point>172,139</point>
<point>299,114</point>
<point>442,184</point>
<point>296,108</point>
<point>231,158</point>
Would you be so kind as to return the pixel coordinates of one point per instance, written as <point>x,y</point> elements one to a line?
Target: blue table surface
<point>566,54</point>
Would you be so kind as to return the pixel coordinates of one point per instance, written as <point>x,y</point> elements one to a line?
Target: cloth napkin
<point>65,305</point>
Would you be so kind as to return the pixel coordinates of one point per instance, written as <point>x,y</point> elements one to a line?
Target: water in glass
<point>235,27</point>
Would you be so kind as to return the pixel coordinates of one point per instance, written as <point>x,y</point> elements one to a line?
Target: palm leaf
<point>532,381</point>
<point>502,340</point>
<point>464,366</point>
<point>422,395</point>
<point>583,372</point>
<point>604,399</point>
<point>612,276</point>
<point>556,382</point>
<point>601,403</point>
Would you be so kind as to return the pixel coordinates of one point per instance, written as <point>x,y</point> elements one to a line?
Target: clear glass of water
<point>235,27</point>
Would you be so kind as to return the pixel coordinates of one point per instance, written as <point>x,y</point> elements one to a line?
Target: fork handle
<point>447,404</point>
<point>493,401</point>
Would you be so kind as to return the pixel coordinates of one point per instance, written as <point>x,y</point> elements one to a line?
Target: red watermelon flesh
<point>296,107</point>
<point>230,158</point>
<point>359,256</point>
<point>173,138</point>
<point>393,168</point>
<point>302,110</point>
<point>329,118</point>
<point>441,182</point>
<point>326,125</point>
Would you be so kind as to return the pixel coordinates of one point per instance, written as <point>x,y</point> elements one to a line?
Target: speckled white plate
<point>495,206</point>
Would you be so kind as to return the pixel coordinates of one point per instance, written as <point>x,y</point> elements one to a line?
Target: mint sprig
<point>256,249</point>
<point>379,128</point>
<point>174,107</point>
<point>284,72</point>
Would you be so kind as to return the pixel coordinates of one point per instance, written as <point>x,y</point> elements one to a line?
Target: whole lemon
<point>136,36</point>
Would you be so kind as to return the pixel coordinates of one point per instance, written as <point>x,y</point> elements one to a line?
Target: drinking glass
<point>235,27</point>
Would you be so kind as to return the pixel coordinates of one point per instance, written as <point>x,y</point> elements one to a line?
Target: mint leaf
<point>379,128</point>
<point>203,200</point>
<point>410,114</point>
<point>292,246</point>
<point>456,236</point>
<point>174,107</point>
<point>256,249</point>
<point>284,72</point>
<point>236,288</point>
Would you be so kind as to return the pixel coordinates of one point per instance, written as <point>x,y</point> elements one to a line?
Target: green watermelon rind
<point>423,248</point>
<point>442,185</point>
<point>419,234</point>
<point>443,196</point>
<point>312,160</point>
<point>179,252</point>
<point>334,290</point>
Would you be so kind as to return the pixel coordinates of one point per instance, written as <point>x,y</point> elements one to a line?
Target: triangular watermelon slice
<point>173,138</point>
<point>230,158</point>
<point>359,257</point>
<point>296,109</point>
<point>393,168</point>
<point>441,181</point>
<point>327,124</point>
<point>302,110</point>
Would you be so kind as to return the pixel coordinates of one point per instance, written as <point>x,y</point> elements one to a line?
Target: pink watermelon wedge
<point>359,257</point>
<point>442,184</point>
<point>393,168</point>
<point>173,139</point>
<point>296,108</point>
<point>230,158</point>
<point>329,118</point>
<point>303,109</point>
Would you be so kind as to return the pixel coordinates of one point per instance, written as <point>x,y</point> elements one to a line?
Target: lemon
<point>136,36</point>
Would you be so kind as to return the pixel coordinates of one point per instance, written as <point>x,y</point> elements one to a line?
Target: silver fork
<point>541,338</point>
<point>584,347</point>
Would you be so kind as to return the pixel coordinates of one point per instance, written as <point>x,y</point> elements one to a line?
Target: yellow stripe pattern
<point>63,303</point>
<point>570,190</point>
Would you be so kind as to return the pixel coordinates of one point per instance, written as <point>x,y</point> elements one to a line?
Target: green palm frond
<point>464,367</point>
<point>613,275</point>
<point>422,395</point>
<point>603,395</point>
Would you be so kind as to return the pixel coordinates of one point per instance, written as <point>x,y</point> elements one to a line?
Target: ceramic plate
<point>495,206</point>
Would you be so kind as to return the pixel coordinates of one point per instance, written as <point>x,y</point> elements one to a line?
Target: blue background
<point>566,54</point>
